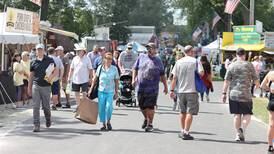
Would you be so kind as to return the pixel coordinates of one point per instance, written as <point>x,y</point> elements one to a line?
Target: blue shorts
<point>55,88</point>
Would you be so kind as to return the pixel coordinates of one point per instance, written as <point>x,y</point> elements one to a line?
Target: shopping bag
<point>199,84</point>
<point>87,111</point>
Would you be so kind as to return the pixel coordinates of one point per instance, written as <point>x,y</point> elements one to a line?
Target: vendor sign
<point>269,40</point>
<point>246,35</point>
<point>21,21</point>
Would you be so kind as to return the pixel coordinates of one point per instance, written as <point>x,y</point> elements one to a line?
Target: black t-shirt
<point>39,67</point>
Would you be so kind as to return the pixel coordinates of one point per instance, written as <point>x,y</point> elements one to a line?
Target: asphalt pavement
<point>212,129</point>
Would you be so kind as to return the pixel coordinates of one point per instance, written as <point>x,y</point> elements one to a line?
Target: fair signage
<point>21,21</point>
<point>269,40</point>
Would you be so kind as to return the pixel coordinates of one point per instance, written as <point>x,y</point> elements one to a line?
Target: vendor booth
<point>12,34</point>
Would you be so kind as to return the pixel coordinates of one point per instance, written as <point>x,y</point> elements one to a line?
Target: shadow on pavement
<point>216,113</point>
<point>202,133</point>
<point>230,141</point>
<point>53,133</point>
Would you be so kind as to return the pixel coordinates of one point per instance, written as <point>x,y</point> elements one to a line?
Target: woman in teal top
<point>107,90</point>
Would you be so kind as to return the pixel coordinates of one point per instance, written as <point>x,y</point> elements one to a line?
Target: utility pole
<point>251,12</point>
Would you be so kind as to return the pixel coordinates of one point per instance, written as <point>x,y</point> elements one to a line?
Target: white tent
<point>215,45</point>
<point>15,38</point>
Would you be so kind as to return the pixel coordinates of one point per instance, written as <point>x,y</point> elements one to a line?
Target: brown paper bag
<point>87,111</point>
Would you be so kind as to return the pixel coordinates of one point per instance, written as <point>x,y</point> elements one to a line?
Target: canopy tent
<point>136,47</point>
<point>15,38</point>
<point>61,32</point>
<point>142,38</point>
<point>269,52</point>
<point>213,45</point>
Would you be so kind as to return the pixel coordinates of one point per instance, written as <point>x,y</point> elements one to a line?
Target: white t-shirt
<point>128,59</point>
<point>59,65</point>
<point>81,68</point>
<point>184,70</point>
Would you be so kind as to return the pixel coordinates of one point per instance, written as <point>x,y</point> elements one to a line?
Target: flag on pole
<point>37,2</point>
<point>231,6</point>
<point>215,19</point>
<point>196,34</point>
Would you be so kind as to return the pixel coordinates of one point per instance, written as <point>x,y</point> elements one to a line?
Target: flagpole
<point>251,12</point>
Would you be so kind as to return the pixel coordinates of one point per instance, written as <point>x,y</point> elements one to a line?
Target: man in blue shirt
<point>148,71</point>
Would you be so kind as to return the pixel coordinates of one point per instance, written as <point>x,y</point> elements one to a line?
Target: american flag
<point>215,19</point>
<point>231,6</point>
<point>37,2</point>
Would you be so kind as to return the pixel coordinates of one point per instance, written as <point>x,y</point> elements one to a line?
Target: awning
<point>15,38</point>
<point>61,32</point>
<point>234,47</point>
<point>142,38</point>
<point>269,52</point>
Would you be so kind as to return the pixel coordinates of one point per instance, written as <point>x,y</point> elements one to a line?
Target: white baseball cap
<point>39,46</point>
<point>59,48</point>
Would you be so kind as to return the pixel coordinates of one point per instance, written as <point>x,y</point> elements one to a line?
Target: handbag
<point>94,91</point>
<point>199,84</point>
<point>87,111</point>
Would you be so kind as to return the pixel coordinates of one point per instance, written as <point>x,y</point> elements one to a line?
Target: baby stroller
<point>126,94</point>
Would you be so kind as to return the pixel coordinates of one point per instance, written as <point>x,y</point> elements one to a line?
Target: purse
<point>87,111</point>
<point>94,91</point>
<point>199,84</point>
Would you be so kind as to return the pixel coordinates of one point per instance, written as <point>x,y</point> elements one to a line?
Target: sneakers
<point>67,106</point>
<point>59,105</point>
<point>109,127</point>
<point>185,136</point>
<point>103,128</point>
<point>207,99</point>
<point>36,128</point>
<point>240,136</point>
<point>149,128</point>
<point>144,124</point>
<point>48,124</point>
<point>270,150</point>
<point>53,108</point>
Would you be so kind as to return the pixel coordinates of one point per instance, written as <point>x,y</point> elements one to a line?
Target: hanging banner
<point>269,40</point>
<point>21,21</point>
<point>37,2</point>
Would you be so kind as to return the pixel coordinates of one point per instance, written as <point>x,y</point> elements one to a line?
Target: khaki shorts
<point>189,103</point>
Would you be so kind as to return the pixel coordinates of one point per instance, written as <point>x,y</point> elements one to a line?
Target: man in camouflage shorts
<point>239,77</point>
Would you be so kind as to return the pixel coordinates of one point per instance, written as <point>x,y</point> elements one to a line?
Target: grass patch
<point>259,109</point>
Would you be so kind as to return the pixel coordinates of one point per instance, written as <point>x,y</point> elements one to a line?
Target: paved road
<point>212,130</point>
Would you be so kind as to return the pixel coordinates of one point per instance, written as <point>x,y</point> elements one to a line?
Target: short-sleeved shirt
<point>18,76</point>
<point>184,70</point>
<point>38,67</point>
<point>150,69</point>
<point>240,74</point>
<point>81,69</point>
<point>128,59</point>
<point>26,68</point>
<point>92,56</point>
<point>98,61</point>
<point>59,65</point>
<point>107,78</point>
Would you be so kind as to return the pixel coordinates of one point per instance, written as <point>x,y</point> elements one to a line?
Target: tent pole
<point>3,57</point>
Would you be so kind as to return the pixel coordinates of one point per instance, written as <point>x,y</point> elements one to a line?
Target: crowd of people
<point>44,74</point>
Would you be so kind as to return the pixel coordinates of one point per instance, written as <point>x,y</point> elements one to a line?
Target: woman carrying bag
<point>108,77</point>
